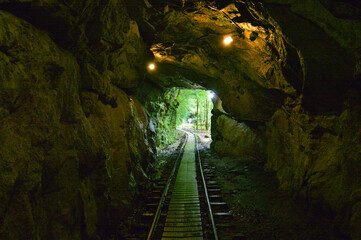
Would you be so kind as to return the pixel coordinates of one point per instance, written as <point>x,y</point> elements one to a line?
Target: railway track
<point>187,205</point>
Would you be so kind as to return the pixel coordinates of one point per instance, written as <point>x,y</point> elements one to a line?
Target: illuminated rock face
<point>75,148</point>
<point>76,144</point>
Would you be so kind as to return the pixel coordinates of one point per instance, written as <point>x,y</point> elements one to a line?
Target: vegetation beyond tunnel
<point>194,108</point>
<point>90,91</point>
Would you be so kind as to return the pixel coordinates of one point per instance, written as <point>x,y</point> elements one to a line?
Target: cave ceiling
<point>283,52</point>
<point>279,51</point>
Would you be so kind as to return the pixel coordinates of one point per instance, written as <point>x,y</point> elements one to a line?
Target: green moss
<point>162,108</point>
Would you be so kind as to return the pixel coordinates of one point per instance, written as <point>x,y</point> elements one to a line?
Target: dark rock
<point>68,160</point>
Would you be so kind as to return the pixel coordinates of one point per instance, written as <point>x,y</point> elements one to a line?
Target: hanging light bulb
<point>151,66</point>
<point>228,40</point>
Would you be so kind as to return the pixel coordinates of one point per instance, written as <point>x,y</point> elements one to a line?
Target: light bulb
<point>228,40</point>
<point>151,66</point>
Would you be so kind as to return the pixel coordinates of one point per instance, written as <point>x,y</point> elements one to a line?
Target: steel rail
<point>165,192</point>
<point>209,207</point>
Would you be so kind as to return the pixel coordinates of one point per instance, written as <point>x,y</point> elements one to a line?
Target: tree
<point>197,114</point>
<point>206,114</point>
<point>194,104</point>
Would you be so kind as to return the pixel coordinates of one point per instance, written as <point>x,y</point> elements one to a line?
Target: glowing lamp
<point>228,40</point>
<point>211,95</point>
<point>151,66</point>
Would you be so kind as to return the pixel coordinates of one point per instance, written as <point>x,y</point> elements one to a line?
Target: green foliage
<point>171,108</point>
<point>162,110</point>
<point>188,99</point>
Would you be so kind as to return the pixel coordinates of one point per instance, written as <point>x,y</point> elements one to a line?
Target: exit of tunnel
<point>187,109</point>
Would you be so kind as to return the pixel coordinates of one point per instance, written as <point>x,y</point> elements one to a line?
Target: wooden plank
<point>184,217</point>
<point>185,191</point>
<point>185,195</point>
<point>185,198</point>
<point>183,212</point>
<point>186,238</point>
<point>191,203</point>
<point>183,206</point>
<point>182,224</point>
<point>183,234</point>
<point>179,208</point>
<point>183,229</point>
<point>184,201</point>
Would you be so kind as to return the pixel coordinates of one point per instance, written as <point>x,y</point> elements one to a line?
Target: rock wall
<point>161,104</point>
<point>233,138</point>
<point>319,158</point>
<point>75,146</point>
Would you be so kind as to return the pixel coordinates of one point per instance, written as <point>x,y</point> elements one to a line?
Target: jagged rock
<point>316,156</point>
<point>68,158</point>
<point>160,104</point>
<point>235,139</point>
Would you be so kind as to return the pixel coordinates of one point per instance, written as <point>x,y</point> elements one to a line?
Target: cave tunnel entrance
<point>194,109</point>
<point>174,109</point>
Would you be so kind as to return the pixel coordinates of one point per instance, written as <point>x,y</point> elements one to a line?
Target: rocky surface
<point>161,103</point>
<point>318,158</point>
<point>76,144</point>
<point>75,147</point>
<point>233,138</point>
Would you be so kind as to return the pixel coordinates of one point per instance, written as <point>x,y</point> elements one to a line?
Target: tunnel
<point>91,96</point>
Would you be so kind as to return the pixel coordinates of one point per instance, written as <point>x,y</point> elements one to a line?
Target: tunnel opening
<point>174,109</point>
<point>194,109</point>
